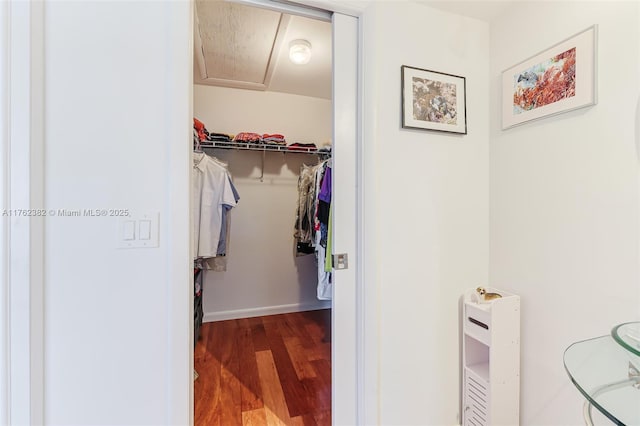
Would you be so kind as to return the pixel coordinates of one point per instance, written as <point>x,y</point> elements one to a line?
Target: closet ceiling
<point>248,48</point>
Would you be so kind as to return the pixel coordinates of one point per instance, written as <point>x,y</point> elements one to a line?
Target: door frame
<point>357,400</point>
<point>21,237</point>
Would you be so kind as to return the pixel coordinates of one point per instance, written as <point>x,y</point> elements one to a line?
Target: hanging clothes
<point>213,195</point>
<point>313,221</point>
<point>306,210</point>
<point>224,225</point>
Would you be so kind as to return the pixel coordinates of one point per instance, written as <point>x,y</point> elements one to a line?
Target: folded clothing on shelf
<point>198,126</point>
<point>274,139</point>
<point>298,146</point>
<point>204,135</point>
<point>248,137</point>
<point>219,137</point>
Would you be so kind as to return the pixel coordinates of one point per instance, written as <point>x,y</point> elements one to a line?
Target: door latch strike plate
<point>341,261</point>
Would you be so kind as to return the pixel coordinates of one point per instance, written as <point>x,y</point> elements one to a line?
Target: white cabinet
<point>490,359</point>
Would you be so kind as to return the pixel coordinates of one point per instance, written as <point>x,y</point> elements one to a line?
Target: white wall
<point>564,200</point>
<point>263,274</point>
<point>431,198</point>
<point>118,126</point>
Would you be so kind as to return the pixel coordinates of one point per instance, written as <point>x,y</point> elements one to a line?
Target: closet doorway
<point>251,295</point>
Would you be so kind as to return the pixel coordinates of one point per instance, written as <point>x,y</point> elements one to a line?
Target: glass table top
<point>628,335</point>
<point>607,375</point>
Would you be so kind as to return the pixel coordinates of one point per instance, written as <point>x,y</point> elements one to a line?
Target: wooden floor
<point>271,370</point>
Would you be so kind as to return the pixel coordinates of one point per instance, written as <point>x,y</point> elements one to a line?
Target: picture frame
<point>559,79</point>
<point>433,100</point>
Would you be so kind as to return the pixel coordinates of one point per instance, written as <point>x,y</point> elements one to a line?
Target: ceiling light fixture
<point>300,51</point>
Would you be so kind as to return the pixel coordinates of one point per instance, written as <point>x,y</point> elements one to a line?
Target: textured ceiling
<point>237,40</point>
<point>247,47</point>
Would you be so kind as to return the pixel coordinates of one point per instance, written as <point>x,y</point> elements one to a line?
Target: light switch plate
<point>147,225</point>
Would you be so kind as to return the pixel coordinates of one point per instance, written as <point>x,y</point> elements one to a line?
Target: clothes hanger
<point>198,147</point>
<point>196,142</point>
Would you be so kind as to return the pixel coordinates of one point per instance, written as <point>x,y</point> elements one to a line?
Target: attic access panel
<point>237,41</point>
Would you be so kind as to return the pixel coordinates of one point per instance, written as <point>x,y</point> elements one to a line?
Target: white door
<point>344,211</point>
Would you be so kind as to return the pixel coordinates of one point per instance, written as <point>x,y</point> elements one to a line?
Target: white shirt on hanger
<point>211,190</point>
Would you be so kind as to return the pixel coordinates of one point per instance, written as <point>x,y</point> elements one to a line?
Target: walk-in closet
<point>262,166</point>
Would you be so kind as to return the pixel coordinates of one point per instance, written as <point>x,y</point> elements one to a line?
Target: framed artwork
<point>433,101</point>
<point>561,78</point>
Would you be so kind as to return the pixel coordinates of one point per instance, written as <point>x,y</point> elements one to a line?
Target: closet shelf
<point>243,146</point>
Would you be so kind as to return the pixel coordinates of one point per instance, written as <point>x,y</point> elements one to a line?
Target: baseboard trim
<point>265,310</point>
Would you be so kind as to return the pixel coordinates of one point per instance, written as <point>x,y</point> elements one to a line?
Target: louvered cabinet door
<point>476,400</point>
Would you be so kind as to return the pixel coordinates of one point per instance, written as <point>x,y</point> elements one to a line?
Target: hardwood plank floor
<point>263,371</point>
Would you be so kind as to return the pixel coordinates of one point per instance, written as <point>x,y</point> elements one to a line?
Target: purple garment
<point>325,188</point>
